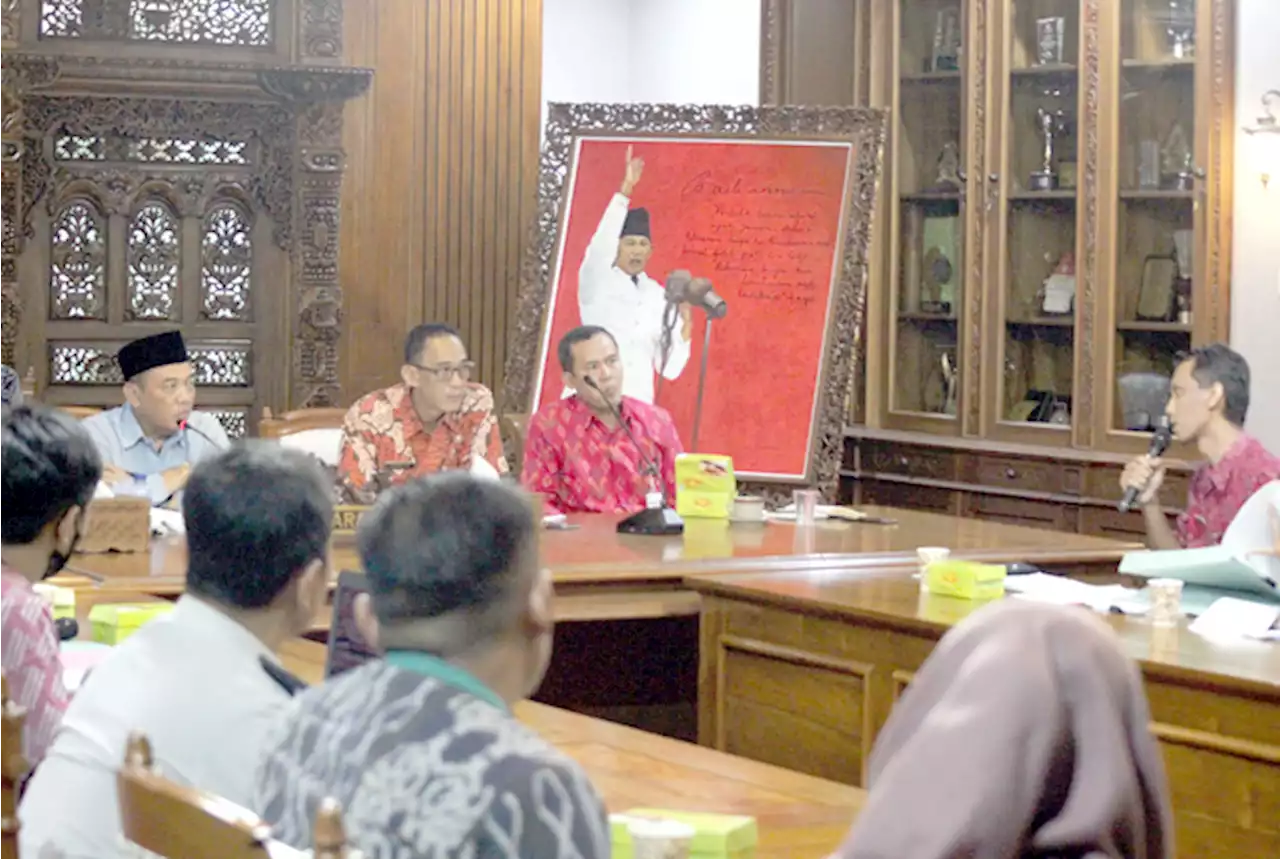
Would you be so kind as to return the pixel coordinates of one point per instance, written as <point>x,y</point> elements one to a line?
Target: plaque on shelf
<point>948,178</point>
<point>1049,37</point>
<point>1156,292</point>
<point>946,42</point>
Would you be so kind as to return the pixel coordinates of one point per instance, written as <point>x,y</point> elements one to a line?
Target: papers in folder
<point>1237,564</point>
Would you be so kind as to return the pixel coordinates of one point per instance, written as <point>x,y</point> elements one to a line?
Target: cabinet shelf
<point>931,77</point>
<point>1156,194</point>
<point>1154,327</point>
<point>1160,66</point>
<point>1062,195</point>
<point>919,316</point>
<point>1055,70</point>
<point>1043,322</point>
<point>926,197</point>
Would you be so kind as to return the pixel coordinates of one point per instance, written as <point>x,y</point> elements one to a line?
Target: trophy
<point>1180,32</point>
<point>1045,179</point>
<point>946,41</point>
<point>1177,172</point>
<point>948,177</point>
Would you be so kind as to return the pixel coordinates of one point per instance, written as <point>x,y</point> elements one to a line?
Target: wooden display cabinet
<point>1057,204</point>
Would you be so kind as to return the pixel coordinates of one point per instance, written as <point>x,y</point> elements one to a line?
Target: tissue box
<point>966,579</point>
<point>718,836</point>
<point>61,600</point>
<point>113,623</point>
<point>705,486</point>
<point>118,525</point>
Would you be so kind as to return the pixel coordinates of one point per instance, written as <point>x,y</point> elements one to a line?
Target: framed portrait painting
<point>725,248</point>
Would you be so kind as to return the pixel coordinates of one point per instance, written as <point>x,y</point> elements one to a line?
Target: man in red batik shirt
<point>436,419</point>
<point>577,454</point>
<point>1208,400</point>
<point>49,470</point>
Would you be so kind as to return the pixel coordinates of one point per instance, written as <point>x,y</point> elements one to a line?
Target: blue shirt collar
<point>131,434</point>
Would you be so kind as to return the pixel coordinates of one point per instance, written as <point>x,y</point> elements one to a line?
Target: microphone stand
<point>658,518</point>
<point>702,383</point>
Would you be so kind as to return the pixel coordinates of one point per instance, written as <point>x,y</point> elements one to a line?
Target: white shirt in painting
<point>194,684</point>
<point>630,310</point>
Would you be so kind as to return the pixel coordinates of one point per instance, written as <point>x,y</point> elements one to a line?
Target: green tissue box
<point>113,623</point>
<point>718,836</point>
<point>966,579</point>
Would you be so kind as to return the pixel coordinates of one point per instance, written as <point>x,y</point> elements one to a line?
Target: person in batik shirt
<point>436,419</point>
<point>49,471</point>
<point>576,453</point>
<point>1208,400</point>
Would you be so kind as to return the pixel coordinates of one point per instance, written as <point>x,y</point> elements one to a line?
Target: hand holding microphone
<point>1143,477</point>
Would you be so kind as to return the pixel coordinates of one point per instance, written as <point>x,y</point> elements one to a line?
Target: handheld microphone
<point>697,291</point>
<point>651,520</point>
<point>1160,440</point>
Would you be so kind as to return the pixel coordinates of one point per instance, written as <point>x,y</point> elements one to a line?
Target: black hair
<point>418,337</point>
<point>1218,363</point>
<point>49,466</point>
<point>256,515</point>
<point>442,544</point>
<point>581,334</point>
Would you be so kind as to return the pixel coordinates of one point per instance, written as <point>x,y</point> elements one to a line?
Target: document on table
<point>1059,590</point>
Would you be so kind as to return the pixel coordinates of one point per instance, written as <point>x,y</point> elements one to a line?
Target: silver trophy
<point>1180,31</point>
<point>1050,33</point>
<point>1046,178</point>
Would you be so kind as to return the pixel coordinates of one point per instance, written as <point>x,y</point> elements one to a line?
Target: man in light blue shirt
<point>151,442</point>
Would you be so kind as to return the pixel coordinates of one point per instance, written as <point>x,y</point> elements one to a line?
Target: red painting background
<point>762,221</point>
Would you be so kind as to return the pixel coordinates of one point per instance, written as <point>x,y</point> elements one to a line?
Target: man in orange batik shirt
<point>436,419</point>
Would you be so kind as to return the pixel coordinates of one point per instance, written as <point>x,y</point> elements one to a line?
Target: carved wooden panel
<point>187,189</point>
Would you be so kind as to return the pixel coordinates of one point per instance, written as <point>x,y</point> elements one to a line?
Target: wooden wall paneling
<point>383,203</point>
<point>483,112</point>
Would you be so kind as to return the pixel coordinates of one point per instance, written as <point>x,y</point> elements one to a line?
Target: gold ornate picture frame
<point>737,161</point>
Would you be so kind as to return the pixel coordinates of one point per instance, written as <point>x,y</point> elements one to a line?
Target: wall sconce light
<point>1266,135</point>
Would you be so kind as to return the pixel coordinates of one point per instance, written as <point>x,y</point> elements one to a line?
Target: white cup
<point>1166,601</point>
<point>660,839</point>
<point>748,508</point>
<point>806,506</point>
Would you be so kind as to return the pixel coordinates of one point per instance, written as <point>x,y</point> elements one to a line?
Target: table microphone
<point>1160,440</point>
<point>187,425</point>
<point>656,518</point>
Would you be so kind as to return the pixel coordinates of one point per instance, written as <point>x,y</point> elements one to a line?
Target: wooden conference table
<point>802,669</point>
<point>627,646</point>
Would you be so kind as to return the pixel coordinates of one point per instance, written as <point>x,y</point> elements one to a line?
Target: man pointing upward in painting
<point>615,293</point>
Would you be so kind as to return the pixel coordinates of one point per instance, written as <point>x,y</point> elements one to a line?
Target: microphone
<point>185,425</point>
<point>697,291</point>
<point>1160,440</point>
<point>656,519</point>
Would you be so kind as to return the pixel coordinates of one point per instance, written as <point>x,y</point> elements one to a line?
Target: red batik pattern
<point>582,466</point>
<point>383,429</point>
<point>31,664</point>
<point>1218,491</point>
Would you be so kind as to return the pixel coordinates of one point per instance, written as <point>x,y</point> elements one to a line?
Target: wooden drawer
<point>905,495</point>
<point>908,461</point>
<point>1007,472</point>
<point>1110,522</point>
<point>1103,481</point>
<point>1018,511</point>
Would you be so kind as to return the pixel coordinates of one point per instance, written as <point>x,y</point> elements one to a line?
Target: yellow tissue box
<point>61,600</point>
<point>717,836</point>
<point>113,623</point>
<point>705,486</point>
<point>965,579</point>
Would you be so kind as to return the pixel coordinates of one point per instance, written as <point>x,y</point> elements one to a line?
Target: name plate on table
<point>118,525</point>
<point>346,517</point>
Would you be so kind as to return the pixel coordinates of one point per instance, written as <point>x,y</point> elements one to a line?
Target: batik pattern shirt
<point>423,768</point>
<point>581,465</point>
<point>384,442</point>
<point>1218,491</point>
<point>32,668</point>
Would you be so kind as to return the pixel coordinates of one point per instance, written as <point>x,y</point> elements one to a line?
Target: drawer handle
<point>903,462</point>
<point>1011,474</point>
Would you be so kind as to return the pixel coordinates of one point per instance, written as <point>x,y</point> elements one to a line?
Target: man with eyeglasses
<point>436,419</point>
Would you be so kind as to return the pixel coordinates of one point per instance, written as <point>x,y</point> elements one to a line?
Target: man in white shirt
<point>203,684</point>
<point>615,293</point>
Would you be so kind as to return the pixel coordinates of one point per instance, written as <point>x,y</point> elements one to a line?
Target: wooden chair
<point>13,768</point>
<point>179,822</point>
<point>512,427</point>
<point>80,412</point>
<point>316,431</point>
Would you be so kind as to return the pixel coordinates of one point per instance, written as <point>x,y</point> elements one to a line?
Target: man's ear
<point>567,378</point>
<point>409,375</point>
<point>1217,397</point>
<point>132,393</point>
<point>366,620</point>
<point>540,614</point>
<point>313,587</point>
<point>65,530</point>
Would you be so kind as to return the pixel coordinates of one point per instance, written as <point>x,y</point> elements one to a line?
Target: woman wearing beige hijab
<point>1023,735</point>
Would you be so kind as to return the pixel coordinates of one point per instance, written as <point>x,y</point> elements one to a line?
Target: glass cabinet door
<point>1158,176</point>
<point>1038,302</point>
<point>927,181</point>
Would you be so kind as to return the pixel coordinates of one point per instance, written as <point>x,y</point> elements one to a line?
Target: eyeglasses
<point>463,371</point>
